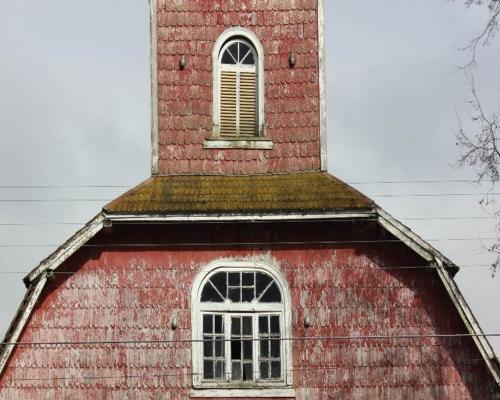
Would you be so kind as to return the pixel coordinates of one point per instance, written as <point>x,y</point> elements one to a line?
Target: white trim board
<point>322,85</point>
<point>153,54</point>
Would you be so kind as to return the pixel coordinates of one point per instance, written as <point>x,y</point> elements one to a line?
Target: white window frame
<point>259,141</point>
<point>267,388</point>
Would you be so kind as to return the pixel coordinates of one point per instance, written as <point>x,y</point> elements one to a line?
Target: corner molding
<point>153,54</point>
<point>322,85</point>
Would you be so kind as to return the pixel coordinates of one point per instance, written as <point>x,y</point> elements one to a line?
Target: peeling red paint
<point>123,294</point>
<point>185,96</point>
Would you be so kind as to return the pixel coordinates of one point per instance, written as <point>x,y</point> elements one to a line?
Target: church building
<point>241,268</point>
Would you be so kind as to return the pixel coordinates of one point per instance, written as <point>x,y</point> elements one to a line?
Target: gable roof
<point>267,197</point>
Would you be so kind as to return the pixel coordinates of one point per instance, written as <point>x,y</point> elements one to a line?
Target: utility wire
<point>354,182</point>
<point>169,270</point>
<point>251,244</point>
<point>283,339</point>
<point>451,218</point>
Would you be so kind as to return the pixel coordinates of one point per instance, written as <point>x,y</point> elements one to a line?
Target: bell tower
<point>238,87</point>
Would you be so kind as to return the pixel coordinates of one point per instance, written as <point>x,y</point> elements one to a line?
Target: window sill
<point>258,143</point>
<point>252,393</point>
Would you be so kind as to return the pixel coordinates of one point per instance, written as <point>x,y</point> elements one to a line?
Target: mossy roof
<point>261,194</point>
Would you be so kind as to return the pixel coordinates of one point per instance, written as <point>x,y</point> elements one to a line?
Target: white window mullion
<point>227,345</point>
<point>256,372</point>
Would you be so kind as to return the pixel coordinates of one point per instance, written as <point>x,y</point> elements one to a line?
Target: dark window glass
<point>264,370</point>
<point>219,369</point>
<point>219,347</point>
<point>275,369</point>
<point>264,348</point>
<point>275,324</point>
<point>220,282</point>
<point>247,295</point>
<point>247,372</point>
<point>233,49</point>
<point>236,371</point>
<point>248,279</point>
<point>209,294</point>
<point>235,350</point>
<point>263,324</point>
<point>263,281</point>
<point>234,279</point>
<point>272,295</point>
<point>236,326</point>
<point>208,369</point>
<point>247,350</point>
<point>207,323</point>
<point>234,295</point>
<point>207,347</point>
<point>275,348</point>
<point>219,326</point>
<point>249,59</point>
<point>247,326</point>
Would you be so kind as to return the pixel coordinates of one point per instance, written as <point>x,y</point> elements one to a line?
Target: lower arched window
<point>241,327</point>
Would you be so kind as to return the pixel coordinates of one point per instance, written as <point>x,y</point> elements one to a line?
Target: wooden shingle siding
<point>185,97</point>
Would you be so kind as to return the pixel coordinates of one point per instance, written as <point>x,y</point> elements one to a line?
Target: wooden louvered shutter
<point>247,109</point>
<point>228,103</point>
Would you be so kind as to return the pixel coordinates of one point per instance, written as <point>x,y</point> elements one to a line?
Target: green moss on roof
<point>262,194</point>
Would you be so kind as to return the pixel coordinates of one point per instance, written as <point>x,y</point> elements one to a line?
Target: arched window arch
<point>241,326</point>
<point>238,86</point>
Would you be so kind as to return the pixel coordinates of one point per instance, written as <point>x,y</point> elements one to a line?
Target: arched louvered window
<point>238,92</point>
<point>238,89</point>
<point>241,328</point>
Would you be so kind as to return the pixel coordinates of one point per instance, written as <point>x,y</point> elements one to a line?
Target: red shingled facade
<point>292,103</point>
<point>127,294</point>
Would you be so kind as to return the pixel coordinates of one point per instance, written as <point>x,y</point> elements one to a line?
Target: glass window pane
<point>208,369</point>
<point>275,348</point>
<point>207,347</point>
<point>247,372</point>
<point>219,369</point>
<point>219,327</point>
<point>247,350</point>
<point>210,294</point>
<point>247,325</point>
<point>234,279</point>
<point>233,49</point>
<point>249,59</point>
<point>207,324</point>
<point>275,324</point>
<point>235,350</point>
<point>272,295</point>
<point>220,282</point>
<point>264,370</point>
<point>264,348</point>
<point>262,280</point>
<point>236,371</point>
<point>219,346</point>
<point>276,369</point>
<point>247,295</point>
<point>234,295</point>
<point>235,326</point>
<point>248,279</point>
<point>263,324</point>
<point>227,59</point>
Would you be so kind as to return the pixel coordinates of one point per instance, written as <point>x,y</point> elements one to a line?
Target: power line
<point>245,244</point>
<point>283,339</point>
<point>343,220</point>
<point>169,270</point>
<point>389,195</point>
<point>353,182</point>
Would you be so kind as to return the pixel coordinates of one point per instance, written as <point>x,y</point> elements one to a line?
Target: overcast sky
<point>74,110</point>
